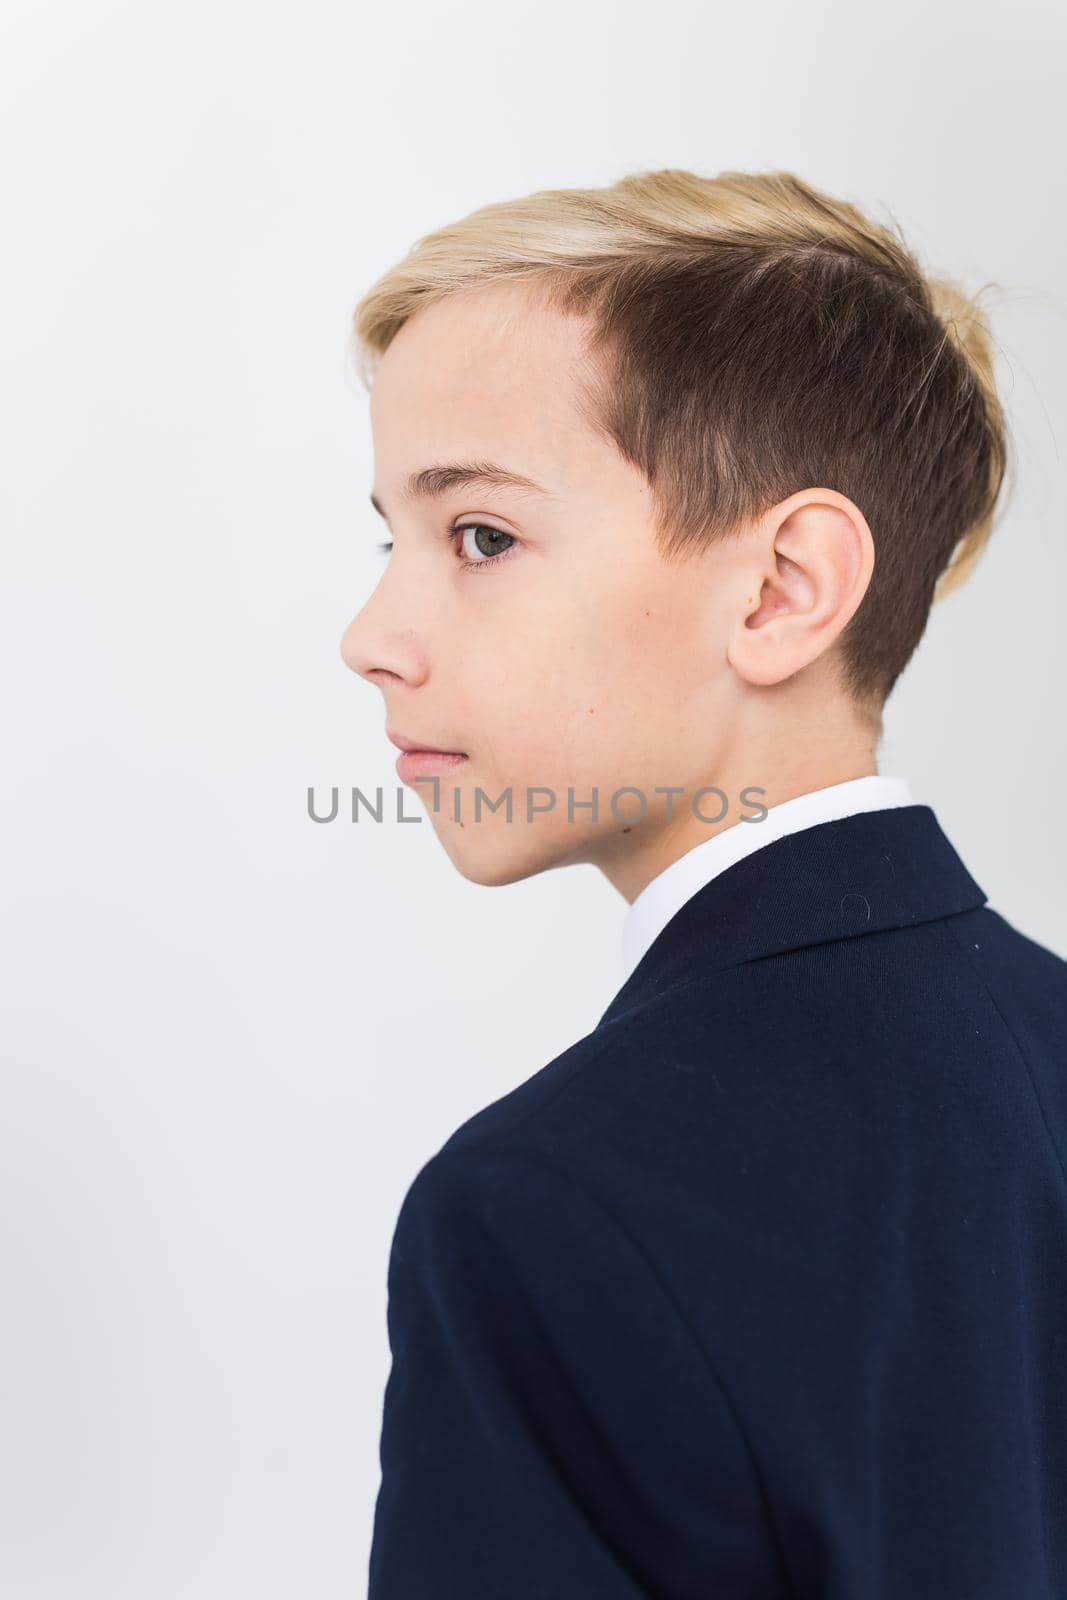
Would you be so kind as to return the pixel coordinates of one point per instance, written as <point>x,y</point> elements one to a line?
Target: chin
<point>494,857</point>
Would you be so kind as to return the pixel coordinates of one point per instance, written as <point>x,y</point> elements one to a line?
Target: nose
<point>380,648</point>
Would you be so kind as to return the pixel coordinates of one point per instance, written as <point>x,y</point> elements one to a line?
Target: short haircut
<point>751,336</point>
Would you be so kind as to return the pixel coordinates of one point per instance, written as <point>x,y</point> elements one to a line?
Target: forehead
<point>491,369</point>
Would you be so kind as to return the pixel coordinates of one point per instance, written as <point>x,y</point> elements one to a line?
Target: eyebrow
<point>432,482</point>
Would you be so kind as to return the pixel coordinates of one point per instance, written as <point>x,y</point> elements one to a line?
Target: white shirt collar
<point>658,901</point>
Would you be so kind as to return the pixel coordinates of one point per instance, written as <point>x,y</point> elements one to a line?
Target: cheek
<point>590,679</point>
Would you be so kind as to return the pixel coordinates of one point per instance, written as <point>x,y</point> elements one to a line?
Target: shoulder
<point>586,1153</point>
<point>721,1111</point>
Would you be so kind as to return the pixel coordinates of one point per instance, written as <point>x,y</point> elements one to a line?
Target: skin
<point>583,659</point>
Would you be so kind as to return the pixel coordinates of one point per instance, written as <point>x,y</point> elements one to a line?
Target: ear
<point>811,562</point>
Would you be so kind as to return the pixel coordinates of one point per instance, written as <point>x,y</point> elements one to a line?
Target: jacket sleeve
<point>551,1428</point>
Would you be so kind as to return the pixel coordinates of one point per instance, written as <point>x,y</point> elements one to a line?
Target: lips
<point>418,760</point>
<point>403,743</point>
<point>412,764</point>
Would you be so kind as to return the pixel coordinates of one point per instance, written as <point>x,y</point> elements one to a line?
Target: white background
<point>232,1036</point>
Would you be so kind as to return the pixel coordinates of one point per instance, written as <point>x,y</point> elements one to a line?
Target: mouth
<point>422,761</point>
<point>426,763</point>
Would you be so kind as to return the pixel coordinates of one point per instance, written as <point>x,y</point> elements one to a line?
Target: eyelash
<point>457,531</point>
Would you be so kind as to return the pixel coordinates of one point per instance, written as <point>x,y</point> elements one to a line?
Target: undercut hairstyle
<point>750,336</point>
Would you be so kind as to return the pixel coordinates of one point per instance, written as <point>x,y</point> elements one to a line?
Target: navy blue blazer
<point>760,1289</point>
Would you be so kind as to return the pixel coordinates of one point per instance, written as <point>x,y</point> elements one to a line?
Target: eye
<point>486,541</point>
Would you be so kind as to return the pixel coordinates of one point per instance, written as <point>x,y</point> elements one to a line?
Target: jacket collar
<point>860,874</point>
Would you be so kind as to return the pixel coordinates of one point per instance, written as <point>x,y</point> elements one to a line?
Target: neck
<point>630,861</point>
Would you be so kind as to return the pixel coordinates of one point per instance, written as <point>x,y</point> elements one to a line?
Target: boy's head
<point>758,444</point>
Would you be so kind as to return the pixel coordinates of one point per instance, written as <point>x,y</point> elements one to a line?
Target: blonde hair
<point>750,336</point>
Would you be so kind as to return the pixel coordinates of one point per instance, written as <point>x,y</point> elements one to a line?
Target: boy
<point>760,1289</point>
